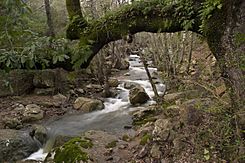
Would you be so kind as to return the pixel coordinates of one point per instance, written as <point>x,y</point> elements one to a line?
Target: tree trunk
<point>224,30</point>
<point>49,19</point>
<point>150,78</point>
<point>190,54</point>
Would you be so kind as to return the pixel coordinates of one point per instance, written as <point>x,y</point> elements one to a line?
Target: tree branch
<point>149,16</point>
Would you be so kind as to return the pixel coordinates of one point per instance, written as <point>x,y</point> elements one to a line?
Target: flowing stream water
<point>113,118</point>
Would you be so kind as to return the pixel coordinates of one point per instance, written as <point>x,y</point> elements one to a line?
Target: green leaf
<point>206,151</point>
<point>219,6</point>
<point>206,157</point>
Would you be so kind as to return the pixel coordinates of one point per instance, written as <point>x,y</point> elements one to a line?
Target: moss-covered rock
<point>73,151</point>
<point>144,115</point>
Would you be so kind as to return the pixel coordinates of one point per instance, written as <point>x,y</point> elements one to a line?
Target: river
<point>117,110</point>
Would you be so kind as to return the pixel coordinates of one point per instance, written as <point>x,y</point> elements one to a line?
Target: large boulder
<point>137,95</point>
<point>87,104</point>
<point>32,113</point>
<point>49,82</point>
<point>16,82</point>
<point>44,79</point>
<point>40,133</point>
<point>16,145</point>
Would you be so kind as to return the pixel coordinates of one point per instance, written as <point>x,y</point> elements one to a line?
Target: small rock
<point>113,82</point>
<point>59,99</point>
<point>88,104</point>
<point>80,91</point>
<point>154,75</point>
<point>127,74</point>
<point>144,130</point>
<point>19,107</point>
<point>128,126</point>
<point>122,146</point>
<point>32,113</point>
<point>162,130</point>
<point>96,87</point>
<point>220,90</point>
<point>179,145</point>
<point>155,152</point>
<point>108,152</point>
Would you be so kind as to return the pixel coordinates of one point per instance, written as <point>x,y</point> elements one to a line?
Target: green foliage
<point>80,55</point>
<point>20,44</point>
<point>39,52</point>
<point>72,151</point>
<point>205,13</point>
<point>185,12</point>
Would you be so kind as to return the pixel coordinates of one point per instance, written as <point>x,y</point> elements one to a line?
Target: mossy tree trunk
<point>49,19</point>
<point>226,35</point>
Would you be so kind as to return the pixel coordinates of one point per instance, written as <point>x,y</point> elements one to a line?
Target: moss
<point>84,143</point>
<point>145,139</point>
<point>112,144</point>
<point>126,138</point>
<point>72,151</point>
<point>150,16</point>
<point>167,104</point>
<point>71,76</point>
<point>240,38</point>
